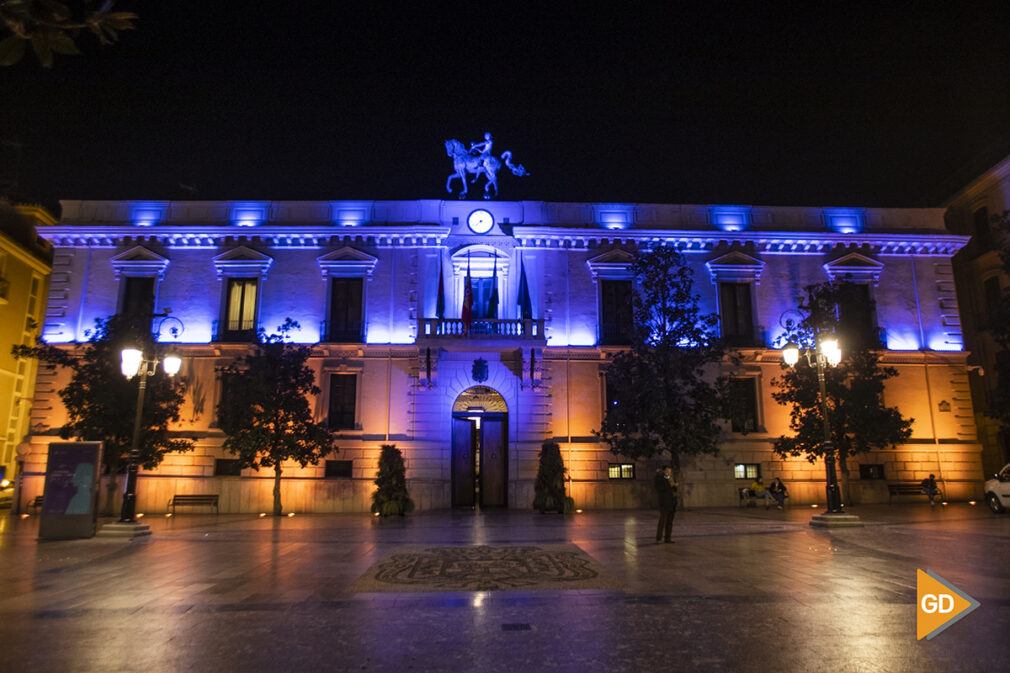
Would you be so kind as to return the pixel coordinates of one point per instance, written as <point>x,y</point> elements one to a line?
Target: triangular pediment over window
<point>242,262</point>
<point>855,268</point>
<point>139,261</point>
<point>611,265</point>
<point>347,262</point>
<point>735,267</point>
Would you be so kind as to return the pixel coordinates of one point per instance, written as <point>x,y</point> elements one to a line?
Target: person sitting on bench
<point>778,491</point>
<point>758,490</point>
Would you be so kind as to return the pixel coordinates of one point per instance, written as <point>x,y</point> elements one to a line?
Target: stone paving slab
<point>740,590</point>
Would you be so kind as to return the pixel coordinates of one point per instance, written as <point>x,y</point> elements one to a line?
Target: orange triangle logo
<point>938,604</point>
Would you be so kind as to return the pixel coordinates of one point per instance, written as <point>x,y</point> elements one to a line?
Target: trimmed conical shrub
<point>549,489</point>
<point>391,496</point>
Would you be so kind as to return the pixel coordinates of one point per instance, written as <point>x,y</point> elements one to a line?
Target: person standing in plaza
<point>666,493</point>
<point>929,488</point>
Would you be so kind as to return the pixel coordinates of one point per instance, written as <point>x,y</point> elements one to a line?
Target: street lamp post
<point>825,354</point>
<point>134,363</point>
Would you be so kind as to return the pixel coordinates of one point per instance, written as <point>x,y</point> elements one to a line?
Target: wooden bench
<point>36,504</point>
<point>908,488</point>
<point>748,499</point>
<point>190,500</point>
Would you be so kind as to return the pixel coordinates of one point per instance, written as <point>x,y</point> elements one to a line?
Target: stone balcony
<point>499,330</point>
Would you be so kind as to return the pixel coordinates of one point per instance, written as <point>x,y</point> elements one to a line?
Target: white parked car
<point>997,490</point>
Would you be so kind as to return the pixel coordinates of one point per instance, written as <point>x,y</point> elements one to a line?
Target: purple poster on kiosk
<point>70,503</point>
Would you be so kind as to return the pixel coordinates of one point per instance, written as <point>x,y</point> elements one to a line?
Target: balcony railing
<point>480,328</point>
<point>346,332</point>
<point>233,331</point>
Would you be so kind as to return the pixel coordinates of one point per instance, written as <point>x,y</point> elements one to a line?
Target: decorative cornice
<point>347,262</point>
<point>139,261</point>
<point>242,262</point>
<point>761,242</point>
<point>933,243</point>
<point>611,265</point>
<point>735,267</point>
<point>277,237</point>
<point>854,266</point>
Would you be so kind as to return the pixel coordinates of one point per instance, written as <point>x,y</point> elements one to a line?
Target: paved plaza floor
<point>739,590</point>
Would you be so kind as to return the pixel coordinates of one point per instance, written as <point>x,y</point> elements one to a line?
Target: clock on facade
<point>480,221</point>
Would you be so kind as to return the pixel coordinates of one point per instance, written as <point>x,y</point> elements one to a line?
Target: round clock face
<point>480,221</point>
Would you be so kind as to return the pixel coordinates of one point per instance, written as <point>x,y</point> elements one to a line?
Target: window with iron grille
<point>227,467</point>
<point>743,402</point>
<point>871,471</point>
<point>621,470</point>
<point>343,397</point>
<point>747,471</point>
<point>339,469</point>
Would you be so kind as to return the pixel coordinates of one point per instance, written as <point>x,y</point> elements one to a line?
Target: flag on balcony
<point>440,302</point>
<point>467,314</point>
<point>492,302</point>
<point>523,298</point>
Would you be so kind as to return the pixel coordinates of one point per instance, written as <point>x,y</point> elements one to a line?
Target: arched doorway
<point>479,449</point>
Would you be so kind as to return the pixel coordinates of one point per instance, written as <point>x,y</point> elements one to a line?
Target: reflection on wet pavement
<point>738,591</point>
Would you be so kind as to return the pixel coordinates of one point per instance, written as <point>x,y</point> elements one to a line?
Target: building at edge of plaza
<point>25,265</point>
<point>981,281</point>
<point>470,410</point>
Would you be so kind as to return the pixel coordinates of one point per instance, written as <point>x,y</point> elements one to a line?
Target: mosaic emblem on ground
<point>485,568</point>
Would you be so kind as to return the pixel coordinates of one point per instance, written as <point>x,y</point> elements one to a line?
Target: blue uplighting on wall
<point>249,213</point>
<point>614,216</point>
<point>349,214</point>
<point>943,342</point>
<point>147,213</point>
<point>898,340</point>
<point>380,334</point>
<point>730,218</point>
<point>844,220</point>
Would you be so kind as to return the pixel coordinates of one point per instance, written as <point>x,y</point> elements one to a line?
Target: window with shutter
<point>343,396</point>
<point>346,310</point>
<point>616,317</point>
<point>736,314</point>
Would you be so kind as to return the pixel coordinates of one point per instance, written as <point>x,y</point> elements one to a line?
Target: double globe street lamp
<point>134,362</point>
<point>825,354</point>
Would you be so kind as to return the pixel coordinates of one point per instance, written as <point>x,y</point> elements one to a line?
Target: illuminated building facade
<point>981,281</point>
<point>25,264</point>
<point>470,408</point>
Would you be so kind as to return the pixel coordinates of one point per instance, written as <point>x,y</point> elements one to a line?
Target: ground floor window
<point>747,471</point>
<point>339,469</point>
<point>621,470</point>
<point>871,471</point>
<point>227,467</point>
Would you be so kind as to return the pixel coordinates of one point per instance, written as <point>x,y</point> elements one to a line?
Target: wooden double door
<point>480,460</point>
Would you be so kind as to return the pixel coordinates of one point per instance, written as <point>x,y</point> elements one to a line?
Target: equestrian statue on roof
<point>477,161</point>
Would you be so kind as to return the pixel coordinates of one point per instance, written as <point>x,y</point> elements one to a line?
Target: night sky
<point>777,103</point>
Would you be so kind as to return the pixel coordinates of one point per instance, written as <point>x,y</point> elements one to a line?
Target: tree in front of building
<point>101,403</point>
<point>859,419</point>
<point>52,27</point>
<point>265,411</point>
<point>391,496</point>
<point>1000,321</point>
<point>664,395</point>
<point>549,487</point>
